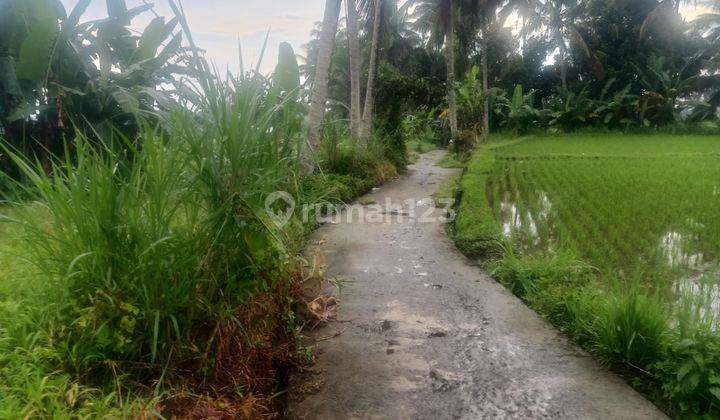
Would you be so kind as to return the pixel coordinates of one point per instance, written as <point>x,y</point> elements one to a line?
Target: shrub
<point>156,256</point>
<point>690,373</point>
<point>518,112</point>
<point>422,128</point>
<point>690,370</point>
<point>629,329</point>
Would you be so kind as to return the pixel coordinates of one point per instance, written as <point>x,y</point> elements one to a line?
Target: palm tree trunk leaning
<point>368,112</point>
<point>355,66</point>
<point>450,61</point>
<point>320,84</point>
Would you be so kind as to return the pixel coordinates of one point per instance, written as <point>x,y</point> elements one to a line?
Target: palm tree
<point>368,113</point>
<point>709,23</point>
<point>558,17</point>
<point>525,9</point>
<point>437,18</point>
<point>484,14</point>
<point>355,65</point>
<point>664,11</point>
<point>320,84</point>
<point>399,37</point>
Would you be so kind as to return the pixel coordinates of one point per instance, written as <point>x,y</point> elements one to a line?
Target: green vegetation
<point>140,274</point>
<point>645,213</point>
<point>147,264</point>
<point>127,284</point>
<point>48,73</point>
<point>447,191</point>
<point>476,230</point>
<point>149,259</point>
<point>614,239</point>
<point>347,170</point>
<point>454,160</point>
<point>614,145</point>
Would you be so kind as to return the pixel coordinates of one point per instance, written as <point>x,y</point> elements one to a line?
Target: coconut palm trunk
<point>450,61</point>
<point>486,99</point>
<point>355,65</point>
<point>320,84</point>
<point>368,112</point>
<point>563,60</point>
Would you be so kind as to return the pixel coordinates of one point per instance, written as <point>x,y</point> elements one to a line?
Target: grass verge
<point>150,281</point>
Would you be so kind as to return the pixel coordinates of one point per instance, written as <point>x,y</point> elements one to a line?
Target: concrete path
<point>427,335</point>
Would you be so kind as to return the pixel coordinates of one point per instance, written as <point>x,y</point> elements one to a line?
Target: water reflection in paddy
<point>657,219</point>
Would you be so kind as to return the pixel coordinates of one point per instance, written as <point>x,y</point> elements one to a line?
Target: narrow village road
<point>425,334</point>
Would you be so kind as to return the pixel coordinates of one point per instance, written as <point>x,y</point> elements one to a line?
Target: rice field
<point>632,207</point>
<point>614,239</point>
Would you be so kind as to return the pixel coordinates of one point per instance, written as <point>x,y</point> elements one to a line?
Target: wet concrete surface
<point>426,334</point>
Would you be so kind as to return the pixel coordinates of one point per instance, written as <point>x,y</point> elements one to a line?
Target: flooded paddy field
<point>614,239</point>
<point>643,208</point>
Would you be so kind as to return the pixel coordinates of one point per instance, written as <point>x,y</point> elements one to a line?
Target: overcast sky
<point>217,25</point>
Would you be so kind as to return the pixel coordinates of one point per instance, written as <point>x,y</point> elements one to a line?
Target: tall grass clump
<point>157,260</point>
<point>26,304</point>
<point>629,328</point>
<point>549,283</point>
<point>109,233</point>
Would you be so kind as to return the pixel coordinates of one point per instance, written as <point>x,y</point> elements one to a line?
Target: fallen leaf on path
<point>324,308</point>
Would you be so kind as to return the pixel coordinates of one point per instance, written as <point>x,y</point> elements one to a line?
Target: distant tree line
<point>552,64</point>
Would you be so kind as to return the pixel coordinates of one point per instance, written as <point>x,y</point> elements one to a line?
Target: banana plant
<point>519,111</point>
<point>661,87</point>
<point>49,79</point>
<point>470,100</point>
<point>619,109</point>
<point>567,109</point>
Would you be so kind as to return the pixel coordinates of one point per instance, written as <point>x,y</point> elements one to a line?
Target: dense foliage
<point>629,64</point>
<point>140,273</point>
<point>58,73</point>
